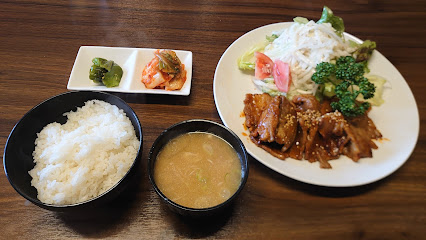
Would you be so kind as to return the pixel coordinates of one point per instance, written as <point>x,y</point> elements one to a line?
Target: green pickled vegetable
<point>112,78</point>
<point>97,73</point>
<point>103,63</point>
<point>106,72</point>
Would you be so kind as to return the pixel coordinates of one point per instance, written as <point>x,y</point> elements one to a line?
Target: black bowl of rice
<point>74,151</point>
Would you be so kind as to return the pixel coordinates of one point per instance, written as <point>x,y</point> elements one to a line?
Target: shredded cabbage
<point>303,46</point>
<point>267,85</point>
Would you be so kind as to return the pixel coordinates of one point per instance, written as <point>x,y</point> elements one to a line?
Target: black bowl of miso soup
<point>198,167</point>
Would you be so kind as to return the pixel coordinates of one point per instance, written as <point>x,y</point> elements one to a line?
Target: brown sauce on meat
<point>307,129</point>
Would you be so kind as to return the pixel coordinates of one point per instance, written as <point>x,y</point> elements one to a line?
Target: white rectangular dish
<point>132,61</point>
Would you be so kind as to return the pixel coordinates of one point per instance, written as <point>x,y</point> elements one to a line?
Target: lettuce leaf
<point>247,60</point>
<point>379,83</point>
<point>364,52</point>
<point>335,21</point>
<point>301,20</point>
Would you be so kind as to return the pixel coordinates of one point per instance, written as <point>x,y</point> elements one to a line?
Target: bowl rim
<point>243,159</point>
<point>55,206</point>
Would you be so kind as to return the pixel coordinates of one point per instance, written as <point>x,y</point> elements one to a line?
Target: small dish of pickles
<point>120,69</point>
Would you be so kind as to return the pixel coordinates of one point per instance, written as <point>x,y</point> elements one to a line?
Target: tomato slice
<point>282,76</point>
<point>263,66</point>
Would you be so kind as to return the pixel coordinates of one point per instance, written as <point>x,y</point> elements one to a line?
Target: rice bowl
<point>18,157</point>
<point>85,156</point>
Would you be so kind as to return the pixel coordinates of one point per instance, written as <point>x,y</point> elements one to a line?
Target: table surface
<point>39,43</point>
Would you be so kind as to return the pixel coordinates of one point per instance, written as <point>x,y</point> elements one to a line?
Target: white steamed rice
<point>84,157</point>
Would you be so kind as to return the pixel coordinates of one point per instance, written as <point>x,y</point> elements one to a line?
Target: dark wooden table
<point>39,41</point>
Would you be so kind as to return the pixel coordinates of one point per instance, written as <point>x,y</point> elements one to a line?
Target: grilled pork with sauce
<point>307,129</point>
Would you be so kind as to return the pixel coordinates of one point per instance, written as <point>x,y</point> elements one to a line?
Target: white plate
<point>397,119</point>
<point>132,61</point>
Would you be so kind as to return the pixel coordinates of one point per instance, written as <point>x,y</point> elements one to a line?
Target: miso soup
<point>198,170</point>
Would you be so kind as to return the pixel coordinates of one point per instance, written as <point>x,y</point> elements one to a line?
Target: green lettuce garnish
<point>364,52</point>
<point>272,37</point>
<point>301,20</point>
<point>379,83</point>
<point>247,60</point>
<point>335,21</point>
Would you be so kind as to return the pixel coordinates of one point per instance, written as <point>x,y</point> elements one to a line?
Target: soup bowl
<point>198,126</point>
<point>20,145</point>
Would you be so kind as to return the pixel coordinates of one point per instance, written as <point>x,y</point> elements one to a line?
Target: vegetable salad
<point>286,62</point>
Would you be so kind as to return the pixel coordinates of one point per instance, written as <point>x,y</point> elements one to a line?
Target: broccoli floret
<point>366,88</point>
<point>348,69</point>
<point>347,103</point>
<point>345,60</point>
<point>348,78</point>
<point>349,107</point>
<point>324,71</point>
